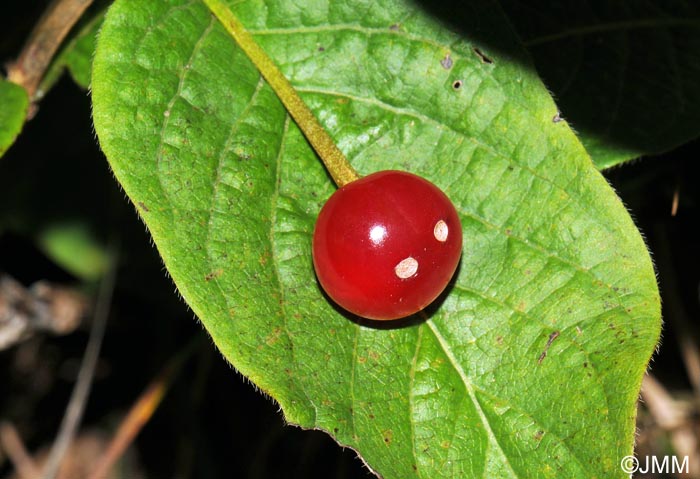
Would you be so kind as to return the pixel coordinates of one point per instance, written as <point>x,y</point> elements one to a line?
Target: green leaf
<point>625,74</point>
<point>530,365</point>
<point>14,104</point>
<point>71,245</point>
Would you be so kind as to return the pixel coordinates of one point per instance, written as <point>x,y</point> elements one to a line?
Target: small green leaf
<point>75,56</point>
<point>529,367</point>
<point>14,103</point>
<point>72,246</point>
<point>625,74</point>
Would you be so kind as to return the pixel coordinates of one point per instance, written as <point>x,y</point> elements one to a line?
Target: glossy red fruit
<point>386,245</point>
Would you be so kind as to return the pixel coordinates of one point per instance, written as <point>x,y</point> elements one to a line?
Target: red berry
<point>386,245</point>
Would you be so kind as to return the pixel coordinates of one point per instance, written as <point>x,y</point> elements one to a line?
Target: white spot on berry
<point>441,231</point>
<point>406,268</point>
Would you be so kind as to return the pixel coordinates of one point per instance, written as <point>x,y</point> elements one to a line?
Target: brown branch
<point>674,418</point>
<point>43,42</point>
<point>141,412</point>
<point>14,447</point>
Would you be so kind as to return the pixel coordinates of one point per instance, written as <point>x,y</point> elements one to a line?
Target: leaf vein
<point>182,73</point>
<point>412,397</point>
<point>352,27</point>
<point>275,258</point>
<point>468,386</point>
<point>426,119</point>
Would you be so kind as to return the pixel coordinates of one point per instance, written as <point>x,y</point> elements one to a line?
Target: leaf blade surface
<point>230,189</point>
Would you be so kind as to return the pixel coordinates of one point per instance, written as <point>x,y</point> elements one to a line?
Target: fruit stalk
<point>337,165</point>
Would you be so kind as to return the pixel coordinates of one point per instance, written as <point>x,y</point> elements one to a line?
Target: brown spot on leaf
<point>388,436</point>
<point>482,56</point>
<point>274,336</point>
<point>551,339</point>
<point>446,62</point>
<point>213,274</point>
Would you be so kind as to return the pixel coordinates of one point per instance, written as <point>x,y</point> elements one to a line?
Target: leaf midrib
<point>470,391</point>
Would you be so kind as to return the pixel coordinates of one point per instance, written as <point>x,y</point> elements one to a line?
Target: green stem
<point>336,163</point>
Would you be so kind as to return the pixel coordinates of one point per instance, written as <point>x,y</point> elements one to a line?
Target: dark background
<point>213,423</point>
